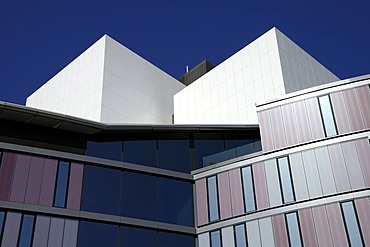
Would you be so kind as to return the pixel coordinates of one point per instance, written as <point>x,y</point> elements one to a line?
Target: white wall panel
<point>325,170</point>
<point>298,176</point>
<point>352,162</point>
<point>203,240</point>
<point>228,236</point>
<point>253,234</point>
<point>267,233</point>
<point>273,184</point>
<point>312,174</point>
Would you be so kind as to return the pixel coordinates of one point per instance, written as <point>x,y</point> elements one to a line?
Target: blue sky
<point>40,37</point>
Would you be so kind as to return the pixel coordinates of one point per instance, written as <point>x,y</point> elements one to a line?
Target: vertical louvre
<point>48,182</point>
<point>260,186</point>
<point>202,202</point>
<point>6,174</point>
<point>237,204</point>
<point>34,180</point>
<point>75,186</point>
<point>20,178</point>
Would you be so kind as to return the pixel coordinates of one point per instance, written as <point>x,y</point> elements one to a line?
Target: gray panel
<point>227,236</point>
<point>273,185</point>
<point>298,176</point>
<point>267,233</point>
<point>325,170</point>
<point>339,168</point>
<point>312,174</point>
<point>253,234</point>
<point>352,163</point>
<point>203,240</point>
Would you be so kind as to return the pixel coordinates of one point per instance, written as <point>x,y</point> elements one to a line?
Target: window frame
<point>217,199</point>
<point>298,226</point>
<point>253,189</point>
<point>357,222</point>
<point>245,234</point>
<point>281,179</point>
<point>324,123</point>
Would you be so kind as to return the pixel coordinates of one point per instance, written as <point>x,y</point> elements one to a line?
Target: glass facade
<point>248,189</point>
<point>240,236</point>
<point>351,224</point>
<point>2,220</point>
<point>285,180</point>
<point>216,239</point>
<point>26,232</point>
<point>61,185</point>
<point>213,198</point>
<point>327,116</point>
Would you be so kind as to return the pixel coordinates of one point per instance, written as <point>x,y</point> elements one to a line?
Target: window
<point>285,180</point>
<point>248,189</point>
<point>105,150</point>
<point>174,155</point>
<point>61,187</point>
<point>240,236</point>
<point>212,198</point>
<point>97,234</point>
<point>327,116</point>
<point>168,239</point>
<point>351,223</point>
<point>142,152</point>
<point>2,220</point>
<point>294,231</point>
<point>216,239</point>
<point>26,230</point>
<point>132,236</point>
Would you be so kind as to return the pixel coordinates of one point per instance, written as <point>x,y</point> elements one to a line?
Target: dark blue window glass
<point>205,151</point>
<point>140,152</point>
<point>26,231</point>
<point>175,202</point>
<point>61,185</point>
<point>212,198</point>
<point>97,234</point>
<point>351,223</point>
<point>248,189</point>
<point>2,220</point>
<point>136,237</point>
<point>240,236</point>
<point>167,239</point>
<point>105,150</point>
<point>216,239</point>
<point>101,190</point>
<point>139,196</point>
<point>174,155</point>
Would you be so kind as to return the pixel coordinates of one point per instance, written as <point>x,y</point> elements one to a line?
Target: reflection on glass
<point>285,180</point>
<point>248,189</point>
<point>132,237</point>
<point>26,230</point>
<point>97,234</point>
<point>351,222</point>
<point>61,185</point>
<point>174,155</point>
<point>168,239</point>
<point>240,237</point>
<point>293,229</point>
<point>142,152</point>
<point>327,116</point>
<point>105,150</point>
<point>216,238</point>
<point>212,198</point>
<point>205,148</point>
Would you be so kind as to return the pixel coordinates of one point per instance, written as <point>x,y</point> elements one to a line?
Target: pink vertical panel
<point>20,178</point>
<point>314,117</point>
<point>202,202</point>
<point>340,112</point>
<point>336,223</point>
<point>34,180</point>
<point>70,233</point>
<point>322,226</point>
<point>259,178</point>
<point>6,174</point>
<point>307,227</point>
<point>363,96</point>
<point>11,229</point>
<point>289,124</point>
<point>224,195</point>
<point>48,182</point>
<point>353,107</point>
<point>303,126</point>
<point>280,233</point>
<point>56,232</point>
<point>339,168</point>
<point>278,127</point>
<point>363,212</point>
<point>237,203</point>
<point>363,151</point>
<point>266,130</point>
<point>75,186</point>
<point>41,235</point>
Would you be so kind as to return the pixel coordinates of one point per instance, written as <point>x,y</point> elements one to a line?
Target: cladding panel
<point>273,184</point>
<point>363,151</point>
<point>34,180</point>
<point>41,234</point>
<point>48,182</point>
<point>322,226</point>
<point>339,168</point>
<point>363,96</point>
<point>11,229</point>
<point>352,162</point>
<point>303,125</point>
<point>75,186</point>
<point>290,124</point>
<point>312,174</point>
<point>340,112</point>
<point>314,118</point>
<point>237,204</point>
<point>280,233</point>
<point>363,211</point>
<point>266,130</point>
<point>227,236</point>
<point>336,223</point>
<point>277,123</point>
<point>267,233</point>
<point>298,176</point>
<point>224,195</point>
<point>307,227</point>
<point>325,171</point>
<point>20,178</point>
<point>260,186</point>
<point>6,174</point>
<point>353,108</point>
<point>202,202</point>
<point>253,233</point>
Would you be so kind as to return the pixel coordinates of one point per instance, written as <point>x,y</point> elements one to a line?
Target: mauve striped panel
<point>56,232</point>
<point>70,233</point>
<point>356,178</point>
<point>363,151</point>
<point>322,226</point>
<point>280,233</point>
<point>290,124</point>
<point>20,178</point>
<point>11,229</point>
<point>260,186</point>
<point>340,112</point>
<point>75,186</point>
<point>266,130</point>
<point>34,180</point>
<point>307,227</point>
<point>363,96</point>
<point>336,223</point>
<point>278,127</point>
<point>202,202</point>
<point>353,108</point>
<point>303,126</point>
<point>41,234</point>
<point>363,212</point>
<point>314,117</point>
<point>237,203</point>
<point>6,174</point>
<point>224,195</point>
<point>48,182</point>
<point>339,168</point>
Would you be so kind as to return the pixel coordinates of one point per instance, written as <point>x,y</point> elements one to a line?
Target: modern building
<point>268,148</point>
